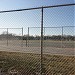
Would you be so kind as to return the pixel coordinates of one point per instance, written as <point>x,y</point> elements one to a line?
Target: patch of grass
<point>30,63</point>
<point>55,64</point>
<point>20,61</point>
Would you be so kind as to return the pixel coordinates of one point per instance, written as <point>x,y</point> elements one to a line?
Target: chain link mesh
<point>20,49</point>
<point>59,41</point>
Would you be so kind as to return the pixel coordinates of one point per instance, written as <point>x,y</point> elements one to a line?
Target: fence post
<point>62,38</point>
<point>44,30</point>
<point>22,37</point>
<point>28,38</point>
<point>7,36</point>
<point>42,41</point>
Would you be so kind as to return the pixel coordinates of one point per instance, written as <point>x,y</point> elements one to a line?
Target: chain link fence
<point>58,37</point>
<point>35,50</point>
<point>10,35</point>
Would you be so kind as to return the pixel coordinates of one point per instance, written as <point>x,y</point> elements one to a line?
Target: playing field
<point>34,46</point>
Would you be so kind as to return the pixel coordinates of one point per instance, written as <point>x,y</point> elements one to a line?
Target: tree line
<point>54,37</point>
<point>37,37</point>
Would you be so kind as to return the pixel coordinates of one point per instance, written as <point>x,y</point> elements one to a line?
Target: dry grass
<point>30,63</point>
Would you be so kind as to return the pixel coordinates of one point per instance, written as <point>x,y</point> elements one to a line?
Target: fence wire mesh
<point>10,35</point>
<point>58,49</point>
<point>59,44</point>
<point>20,49</point>
<point>3,37</point>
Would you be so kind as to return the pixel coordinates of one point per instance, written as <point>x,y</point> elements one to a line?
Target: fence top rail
<point>59,27</point>
<point>10,28</point>
<point>52,27</point>
<point>38,8</point>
